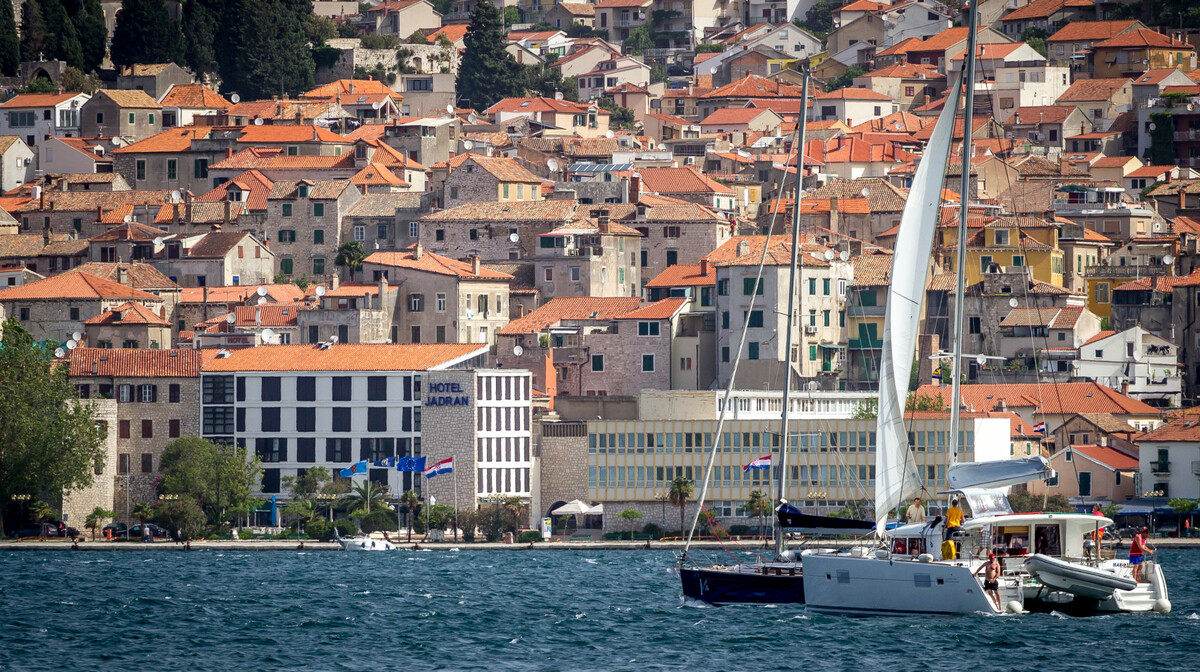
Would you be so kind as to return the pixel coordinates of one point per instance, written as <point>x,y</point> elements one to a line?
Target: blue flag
<point>359,467</point>
<point>404,464</point>
<point>419,464</point>
<point>388,462</point>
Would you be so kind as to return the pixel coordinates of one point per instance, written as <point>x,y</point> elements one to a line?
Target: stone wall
<point>563,471</point>
<point>76,505</point>
<point>425,58</point>
<point>449,431</point>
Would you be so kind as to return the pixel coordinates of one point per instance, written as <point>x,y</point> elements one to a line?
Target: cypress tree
<point>487,72</point>
<point>271,55</point>
<point>62,40</point>
<point>10,45</point>
<point>200,37</point>
<point>146,33</point>
<point>93,33</point>
<point>33,32</point>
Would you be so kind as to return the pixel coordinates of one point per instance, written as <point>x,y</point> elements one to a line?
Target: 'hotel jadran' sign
<point>446,394</point>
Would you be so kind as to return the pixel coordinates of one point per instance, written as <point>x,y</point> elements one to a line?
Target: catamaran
<point>909,573</point>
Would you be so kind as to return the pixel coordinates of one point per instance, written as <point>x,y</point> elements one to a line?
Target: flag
<point>388,462</point>
<point>1040,427</point>
<point>359,467</point>
<point>404,464</point>
<point>444,467</point>
<point>418,464</point>
<point>763,462</point>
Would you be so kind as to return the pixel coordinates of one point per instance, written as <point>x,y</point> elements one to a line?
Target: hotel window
<point>271,450</point>
<point>337,450</point>
<point>306,388</point>
<point>306,419</point>
<point>217,420</point>
<point>270,419</point>
<point>376,419</point>
<point>341,388</point>
<point>341,420</point>
<point>271,389</point>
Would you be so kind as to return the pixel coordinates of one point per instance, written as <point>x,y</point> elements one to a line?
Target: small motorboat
<point>365,543</point>
<point>1076,578</point>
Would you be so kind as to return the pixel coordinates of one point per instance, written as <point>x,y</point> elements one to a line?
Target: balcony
<point>1160,467</point>
<point>866,311</point>
<point>629,21</point>
<point>864,344</point>
<point>1141,271</point>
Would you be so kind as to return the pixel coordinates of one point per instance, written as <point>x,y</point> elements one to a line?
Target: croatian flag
<point>1040,427</point>
<point>444,467</point>
<point>763,462</point>
<point>356,468</point>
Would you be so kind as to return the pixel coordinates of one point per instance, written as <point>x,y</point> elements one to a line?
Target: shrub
<point>345,528</point>
<point>653,529</point>
<point>739,530</point>
<point>379,521</point>
<point>245,534</point>
<point>529,536</point>
<point>320,529</point>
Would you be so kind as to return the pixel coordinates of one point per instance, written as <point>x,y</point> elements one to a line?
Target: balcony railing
<point>1140,271</point>
<point>1160,467</point>
<point>867,311</point>
<point>864,344</point>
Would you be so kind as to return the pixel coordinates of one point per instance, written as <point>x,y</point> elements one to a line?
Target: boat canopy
<point>791,518</point>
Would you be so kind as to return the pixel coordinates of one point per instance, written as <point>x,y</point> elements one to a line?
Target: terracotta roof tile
<point>682,180</point>
<point>682,275</point>
<point>1109,457</point>
<point>1100,336</point>
<point>1083,31</point>
<point>129,313</point>
<point>74,286</point>
<point>514,211</point>
<point>1152,171</point>
<point>194,97</point>
<point>558,309</point>
<point>659,310</point>
<point>1050,317</point>
<point>37,100</point>
<point>1042,9</point>
<point>753,86</point>
<point>850,93</point>
<point>1142,38</point>
<point>434,263</point>
<point>1184,427</point>
<point>253,157</point>
<point>130,231</point>
<point>256,185</point>
<point>169,141</point>
<point>347,357</point>
<point>288,133</point>
<point>732,115</point>
<point>240,293</point>
<point>131,363</point>
<point>129,98</point>
<point>1057,399</point>
<point>1091,90</point>
<point>216,244</point>
<point>539,105</point>
<point>872,270</point>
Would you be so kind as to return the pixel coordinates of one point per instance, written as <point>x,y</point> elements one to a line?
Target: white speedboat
<point>365,543</point>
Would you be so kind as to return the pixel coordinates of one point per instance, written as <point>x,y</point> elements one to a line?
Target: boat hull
<point>1076,579</point>
<point>781,583</point>
<point>864,586</point>
<point>366,545</point>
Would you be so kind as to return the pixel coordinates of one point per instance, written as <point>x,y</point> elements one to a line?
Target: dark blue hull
<point>780,583</point>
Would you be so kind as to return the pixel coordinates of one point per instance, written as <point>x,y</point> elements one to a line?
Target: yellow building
<point>1008,241</point>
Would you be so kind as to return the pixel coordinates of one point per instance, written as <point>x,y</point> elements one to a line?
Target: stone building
<point>132,325</point>
<point>131,115</point>
<point>390,220</point>
<point>476,179</point>
<point>55,308</point>
<point>672,232</point>
<point>587,258</point>
<point>157,395</point>
<point>218,258</point>
<point>352,312</point>
<point>78,504</point>
<point>305,222</point>
<point>493,231</point>
<point>443,300</point>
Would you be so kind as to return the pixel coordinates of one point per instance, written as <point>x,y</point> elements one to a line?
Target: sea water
<point>510,610</point>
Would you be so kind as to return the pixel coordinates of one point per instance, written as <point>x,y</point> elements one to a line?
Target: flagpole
<point>455,477</point>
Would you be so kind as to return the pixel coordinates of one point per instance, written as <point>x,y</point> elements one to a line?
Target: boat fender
<point>882,554</point>
<point>788,555</point>
<point>1162,606</point>
<point>949,552</point>
<point>1014,607</point>
<point>924,557</point>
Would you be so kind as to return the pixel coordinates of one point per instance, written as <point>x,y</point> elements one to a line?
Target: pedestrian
<point>1138,549</point>
<point>915,512</point>
<point>1096,510</point>
<point>954,518</point>
<point>991,578</point>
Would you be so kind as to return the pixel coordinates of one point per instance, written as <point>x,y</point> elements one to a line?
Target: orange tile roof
<point>872,270</point>
<point>682,275</point>
<point>129,313</point>
<point>1113,161</point>
<point>1158,283</point>
<point>539,105</point>
<point>682,180</point>
<point>1042,9</point>
<point>753,86</point>
<point>1100,336</point>
<point>1109,457</point>
<point>907,70</point>
<point>898,122</point>
<point>604,4</point>
<point>74,286</point>
<point>129,98</point>
<point>257,186</point>
<point>38,100</point>
<point>659,310</point>
<point>266,315</point>
<point>1142,38</point>
<point>376,174</point>
<point>138,274</point>
<point>732,115</point>
<point>900,48</point>
<point>1152,171</point>
<point>1082,31</point>
<point>1090,90</point>
<point>851,93</point>
<point>562,308</point>
<point>453,32</point>
<point>254,157</point>
<point>276,133</point>
<point>134,231</point>
<point>863,6</point>
<point>169,141</point>
<point>502,168</point>
<point>139,363</point>
<point>239,293</point>
<point>434,263</point>
<point>1050,317</point>
<point>1052,399</point>
<point>194,96</point>
<point>347,357</point>
<point>1183,426</point>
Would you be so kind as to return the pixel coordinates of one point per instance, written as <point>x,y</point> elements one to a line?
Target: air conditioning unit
<point>689,161</point>
<point>810,330</point>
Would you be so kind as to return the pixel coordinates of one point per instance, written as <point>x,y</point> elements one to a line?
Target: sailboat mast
<point>968,80</point>
<point>793,270</point>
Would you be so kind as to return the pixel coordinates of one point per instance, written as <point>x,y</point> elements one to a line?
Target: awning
<point>832,346</point>
<point>571,508</point>
<point>597,510</point>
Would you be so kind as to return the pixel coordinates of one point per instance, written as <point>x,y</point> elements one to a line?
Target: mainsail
<point>895,468</point>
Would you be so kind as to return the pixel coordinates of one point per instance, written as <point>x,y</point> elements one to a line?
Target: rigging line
<point>742,340</point>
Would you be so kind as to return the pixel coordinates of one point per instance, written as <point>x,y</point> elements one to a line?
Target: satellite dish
<point>470,314</point>
<point>472,118</point>
<point>235,99</point>
<point>158,242</point>
<point>449,108</point>
<point>268,335</point>
<point>1191,107</point>
<point>376,105</point>
<point>468,144</point>
<point>77,336</point>
<point>262,300</point>
<point>262,291</point>
<point>866,192</point>
<point>128,219</point>
<point>1153,125</point>
<point>60,353</point>
<point>490,150</point>
<point>71,345</point>
<point>844,255</point>
<point>512,237</point>
<point>1137,356</point>
<point>552,164</point>
<point>1168,260</point>
<point>518,350</point>
<point>258,121</point>
<point>982,360</point>
<point>230,318</point>
<point>1012,303</point>
<point>609,134</point>
<point>320,290</point>
<point>813,385</point>
<point>333,339</point>
<point>117,142</point>
<point>829,255</point>
<point>176,196</point>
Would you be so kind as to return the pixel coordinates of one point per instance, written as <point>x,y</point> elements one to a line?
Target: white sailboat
<point>907,574</point>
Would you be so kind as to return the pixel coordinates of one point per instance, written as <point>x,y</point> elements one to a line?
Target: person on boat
<point>915,512</point>
<point>991,578</point>
<point>1138,549</point>
<point>954,518</point>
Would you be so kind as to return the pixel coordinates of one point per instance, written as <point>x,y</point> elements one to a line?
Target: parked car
<point>676,70</point>
<point>156,532</point>
<point>116,529</point>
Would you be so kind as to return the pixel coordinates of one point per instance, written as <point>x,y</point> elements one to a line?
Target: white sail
<point>895,469</point>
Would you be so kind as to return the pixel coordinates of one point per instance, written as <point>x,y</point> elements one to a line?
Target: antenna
<point>235,99</point>
<point>844,255</point>
<point>829,255</point>
<point>320,290</point>
<point>518,350</point>
<point>866,192</point>
<point>268,335</point>
<point>472,118</point>
<point>514,237</point>
<point>449,108</point>
<point>128,219</point>
<point>230,318</point>
<point>262,300</point>
<point>552,164</point>
<point>1168,260</point>
<point>609,134</point>
<point>176,196</point>
<point>1012,303</point>
<point>376,105</point>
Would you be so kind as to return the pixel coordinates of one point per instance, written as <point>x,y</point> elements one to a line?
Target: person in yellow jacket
<point>954,518</point>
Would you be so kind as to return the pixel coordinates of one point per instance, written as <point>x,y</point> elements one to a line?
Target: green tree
<point>1039,45</point>
<point>542,81</point>
<point>215,477</point>
<point>62,42</point>
<point>182,516</point>
<point>200,36</point>
<point>308,484</point>
<point>678,495</point>
<point>143,511</point>
<point>40,511</point>
<point>515,512</point>
<point>488,72</point>
<point>418,37</point>
<point>411,501</point>
<point>145,33</point>
<point>350,254</point>
<point>630,516</point>
<point>758,505</point>
<point>1162,139</point>
<point>50,445</point>
<point>818,20</point>
<point>867,410</point>
<point>621,117</point>
<point>95,519</point>
<point>1183,507</point>
<point>1026,503</point>
<point>512,16</point>
<point>925,402</point>
<point>10,44</point>
<point>93,33</point>
<point>846,79</point>
<point>33,32</point>
<point>640,39</point>
<point>267,52</point>
<point>366,497</point>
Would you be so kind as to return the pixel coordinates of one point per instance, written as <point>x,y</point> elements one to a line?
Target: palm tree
<point>758,505</point>
<point>681,491</point>
<point>350,254</point>
<point>97,516</point>
<point>40,511</point>
<point>366,497</point>
<point>515,507</point>
<point>143,511</point>
<point>410,500</point>
<point>305,510</point>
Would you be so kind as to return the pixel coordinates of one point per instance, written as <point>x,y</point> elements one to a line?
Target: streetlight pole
<point>127,486</point>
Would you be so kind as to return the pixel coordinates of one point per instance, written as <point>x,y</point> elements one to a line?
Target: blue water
<point>509,610</point>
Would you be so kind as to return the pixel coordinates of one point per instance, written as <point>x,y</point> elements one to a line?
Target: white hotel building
<point>302,406</point>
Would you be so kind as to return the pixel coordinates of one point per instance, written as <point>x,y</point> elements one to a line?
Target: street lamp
<point>327,497</point>
<point>662,498</point>
<point>22,499</point>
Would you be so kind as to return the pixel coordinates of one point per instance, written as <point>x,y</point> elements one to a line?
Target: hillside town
<point>524,236</point>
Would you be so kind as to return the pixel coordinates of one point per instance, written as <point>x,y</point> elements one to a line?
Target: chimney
<point>833,214</point>
<point>703,266</point>
<point>229,152</point>
<point>46,235</point>
<point>258,315</point>
<point>383,286</point>
<point>743,248</point>
<point>635,188</point>
<point>418,251</point>
<point>334,281</point>
<point>122,275</point>
<point>175,214</point>
<point>1182,200</point>
<point>475,264</point>
<point>225,217</point>
<point>1125,387</point>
